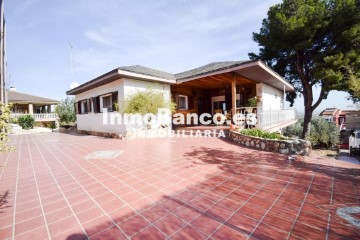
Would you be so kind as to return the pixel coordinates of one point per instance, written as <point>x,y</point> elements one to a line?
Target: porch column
<point>233,95</point>
<point>31,109</point>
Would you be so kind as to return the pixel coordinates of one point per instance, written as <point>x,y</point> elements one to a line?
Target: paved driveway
<point>57,186</point>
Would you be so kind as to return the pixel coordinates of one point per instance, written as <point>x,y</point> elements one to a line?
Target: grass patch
<point>262,134</point>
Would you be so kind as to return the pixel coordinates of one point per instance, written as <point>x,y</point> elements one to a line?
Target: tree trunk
<point>307,124</point>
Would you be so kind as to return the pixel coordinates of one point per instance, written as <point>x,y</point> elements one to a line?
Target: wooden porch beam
<point>233,94</point>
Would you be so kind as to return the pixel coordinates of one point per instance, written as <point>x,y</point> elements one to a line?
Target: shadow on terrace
<point>3,201</point>
<point>257,193</point>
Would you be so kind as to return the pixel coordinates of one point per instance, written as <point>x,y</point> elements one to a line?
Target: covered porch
<point>42,109</point>
<point>227,91</point>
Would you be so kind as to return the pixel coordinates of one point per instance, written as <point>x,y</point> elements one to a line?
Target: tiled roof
<point>16,97</point>
<point>351,112</point>
<point>208,68</point>
<point>148,71</point>
<point>330,111</point>
<point>199,72</point>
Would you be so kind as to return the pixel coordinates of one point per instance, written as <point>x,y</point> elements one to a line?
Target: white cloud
<point>99,37</point>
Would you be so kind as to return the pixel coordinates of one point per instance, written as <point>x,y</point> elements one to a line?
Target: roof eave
<point>33,102</point>
<point>115,75</point>
<point>259,63</point>
<point>277,76</point>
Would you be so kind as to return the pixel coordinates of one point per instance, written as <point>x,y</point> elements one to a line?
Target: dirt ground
<point>326,152</point>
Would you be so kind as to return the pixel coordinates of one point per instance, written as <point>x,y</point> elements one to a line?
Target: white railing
<point>37,116</point>
<point>354,140</point>
<point>274,118</point>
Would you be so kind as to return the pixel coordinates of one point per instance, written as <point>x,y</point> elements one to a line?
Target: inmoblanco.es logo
<point>151,125</point>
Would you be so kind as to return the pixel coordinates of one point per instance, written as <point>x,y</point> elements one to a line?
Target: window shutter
<point>114,99</point>
<point>96,104</point>
<point>177,100</point>
<point>79,107</point>
<point>88,102</point>
<point>191,102</point>
<point>76,108</point>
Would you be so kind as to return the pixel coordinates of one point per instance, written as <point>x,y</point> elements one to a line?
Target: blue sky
<point>172,36</point>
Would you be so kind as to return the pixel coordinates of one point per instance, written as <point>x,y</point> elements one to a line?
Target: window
<point>183,102</point>
<point>84,107</point>
<point>106,102</point>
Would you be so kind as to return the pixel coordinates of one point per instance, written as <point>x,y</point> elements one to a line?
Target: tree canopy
<point>313,43</point>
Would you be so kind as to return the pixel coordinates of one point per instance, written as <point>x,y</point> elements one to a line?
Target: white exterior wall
<point>272,98</point>
<point>125,87</point>
<point>132,86</point>
<point>94,121</point>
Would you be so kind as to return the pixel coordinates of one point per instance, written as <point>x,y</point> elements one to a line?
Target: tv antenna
<point>72,61</point>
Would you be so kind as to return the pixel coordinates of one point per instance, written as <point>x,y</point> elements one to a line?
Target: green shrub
<point>148,101</point>
<point>26,121</point>
<point>66,112</point>
<point>262,134</point>
<point>322,133</point>
<point>50,124</point>
<point>293,130</point>
<point>4,127</point>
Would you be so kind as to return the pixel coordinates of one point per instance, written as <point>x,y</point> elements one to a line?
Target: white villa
<point>220,87</point>
<point>41,108</point>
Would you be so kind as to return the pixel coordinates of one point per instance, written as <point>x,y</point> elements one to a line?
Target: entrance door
<point>218,102</point>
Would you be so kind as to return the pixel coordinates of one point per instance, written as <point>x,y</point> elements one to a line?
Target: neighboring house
<point>344,119</point>
<point>220,86</point>
<point>42,109</point>
<point>333,115</point>
<point>352,119</point>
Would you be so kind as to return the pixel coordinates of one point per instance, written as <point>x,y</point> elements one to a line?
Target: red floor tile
<point>28,214</point>
<point>226,232</point>
<point>253,211</point>
<point>62,225</point>
<point>264,231</point>
<point>242,222</point>
<point>58,215</point>
<point>206,224</point>
<point>154,213</point>
<point>199,183</point>
<point>188,232</point>
<point>170,224</point>
<point>98,225</point>
<point>29,225</point>
<point>38,233</point>
<point>6,232</point>
<point>134,225</point>
<point>89,214</point>
<point>305,231</point>
<point>110,233</point>
<point>149,233</point>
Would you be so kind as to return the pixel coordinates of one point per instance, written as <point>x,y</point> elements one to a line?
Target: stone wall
<point>298,146</point>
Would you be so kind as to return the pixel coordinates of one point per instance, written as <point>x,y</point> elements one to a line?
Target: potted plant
<point>252,103</point>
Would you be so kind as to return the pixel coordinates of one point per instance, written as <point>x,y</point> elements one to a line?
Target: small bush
<point>148,101</point>
<point>66,112</point>
<point>4,127</point>
<point>262,134</point>
<point>322,133</point>
<point>293,130</point>
<point>26,121</point>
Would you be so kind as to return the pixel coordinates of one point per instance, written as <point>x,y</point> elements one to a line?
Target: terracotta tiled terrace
<point>178,188</point>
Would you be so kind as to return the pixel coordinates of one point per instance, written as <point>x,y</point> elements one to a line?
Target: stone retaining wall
<point>298,146</point>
